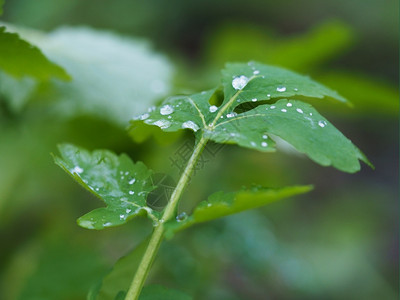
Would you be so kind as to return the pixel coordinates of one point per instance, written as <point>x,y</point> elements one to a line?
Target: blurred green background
<point>338,242</point>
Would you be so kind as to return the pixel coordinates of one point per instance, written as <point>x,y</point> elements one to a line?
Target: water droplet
<point>190,125</point>
<point>128,210</point>
<point>222,117</point>
<point>209,204</point>
<point>213,108</point>
<point>132,181</point>
<point>310,114</point>
<point>166,110</point>
<point>151,108</point>
<point>299,110</point>
<point>122,177</point>
<point>203,92</point>
<point>289,104</point>
<point>253,144</point>
<point>256,72</point>
<point>231,115</point>
<point>121,217</point>
<point>107,224</point>
<point>144,116</point>
<point>281,88</point>
<point>295,89</point>
<point>77,170</point>
<point>272,106</point>
<point>269,95</point>
<point>240,82</point>
<point>181,217</point>
<point>254,99</point>
<point>126,173</point>
<point>264,144</point>
<point>97,189</point>
<point>322,124</point>
<point>169,117</point>
<point>131,192</point>
<point>163,124</point>
<point>283,110</point>
<point>265,136</point>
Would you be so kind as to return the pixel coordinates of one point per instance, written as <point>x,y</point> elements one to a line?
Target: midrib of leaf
<point>198,110</point>
<point>239,118</point>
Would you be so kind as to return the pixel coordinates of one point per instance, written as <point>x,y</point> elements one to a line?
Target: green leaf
<point>120,183</point>
<point>1,7</point>
<point>19,58</point>
<point>221,204</point>
<point>157,292</point>
<point>250,117</point>
<point>264,82</point>
<point>115,77</point>
<point>300,125</point>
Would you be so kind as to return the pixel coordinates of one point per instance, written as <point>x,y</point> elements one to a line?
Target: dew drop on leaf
<point>264,144</point>
<point>281,88</point>
<point>299,110</point>
<point>240,82</point>
<point>322,124</point>
<point>144,116</point>
<point>77,170</point>
<point>166,110</point>
<point>132,181</point>
<point>254,99</point>
<point>163,124</point>
<point>213,108</point>
<point>289,104</point>
<point>256,72</point>
<point>181,217</point>
<point>190,125</point>
<point>283,110</point>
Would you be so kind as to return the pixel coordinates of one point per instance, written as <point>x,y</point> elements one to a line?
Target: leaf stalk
<point>158,233</point>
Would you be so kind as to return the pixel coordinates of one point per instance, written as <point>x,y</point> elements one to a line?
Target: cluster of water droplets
<point>321,123</point>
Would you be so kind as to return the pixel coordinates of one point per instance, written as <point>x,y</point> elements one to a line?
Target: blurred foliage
<point>338,242</point>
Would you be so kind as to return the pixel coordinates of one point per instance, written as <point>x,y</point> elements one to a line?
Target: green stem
<point>158,233</point>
